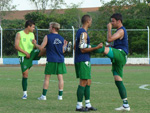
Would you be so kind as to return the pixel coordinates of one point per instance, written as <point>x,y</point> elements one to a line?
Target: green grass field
<point>104,94</point>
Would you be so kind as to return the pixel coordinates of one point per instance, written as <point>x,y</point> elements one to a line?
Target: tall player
<point>118,55</point>
<point>26,52</point>
<point>82,64</point>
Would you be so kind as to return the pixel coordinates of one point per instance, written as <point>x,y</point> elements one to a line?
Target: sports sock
<point>100,50</point>
<point>87,103</point>
<point>60,92</point>
<point>25,93</point>
<point>122,89</point>
<point>79,105</point>
<point>44,92</point>
<point>110,53</point>
<point>87,92</point>
<point>80,93</point>
<point>24,84</point>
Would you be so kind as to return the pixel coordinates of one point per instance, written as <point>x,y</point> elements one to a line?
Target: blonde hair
<point>55,25</point>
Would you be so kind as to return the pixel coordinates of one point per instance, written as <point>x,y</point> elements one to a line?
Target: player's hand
<point>100,45</point>
<point>65,43</point>
<point>27,55</point>
<point>109,26</point>
<point>33,41</point>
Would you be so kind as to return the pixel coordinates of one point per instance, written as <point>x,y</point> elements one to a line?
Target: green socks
<point>24,84</point>
<point>80,93</point>
<point>101,50</point>
<point>125,101</point>
<point>44,92</point>
<point>87,92</point>
<point>122,89</point>
<point>60,92</point>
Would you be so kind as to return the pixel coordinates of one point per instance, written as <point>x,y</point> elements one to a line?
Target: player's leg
<point>25,66</point>
<point>122,92</point>
<point>42,53</point>
<point>83,71</point>
<point>117,69</point>
<point>45,87</point>
<point>87,96</point>
<point>80,89</point>
<point>24,83</point>
<point>60,70</point>
<point>80,94</point>
<point>60,86</point>
<point>34,55</point>
<point>106,50</point>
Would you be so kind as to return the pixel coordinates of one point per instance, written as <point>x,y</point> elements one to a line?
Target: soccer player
<point>55,47</point>
<point>82,64</point>
<point>118,55</point>
<point>26,52</point>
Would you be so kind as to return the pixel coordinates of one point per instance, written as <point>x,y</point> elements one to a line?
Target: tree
<point>5,6</point>
<point>51,4</point>
<point>136,14</point>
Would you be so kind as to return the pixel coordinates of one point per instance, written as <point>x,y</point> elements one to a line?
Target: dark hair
<point>85,18</point>
<point>29,23</point>
<point>117,16</point>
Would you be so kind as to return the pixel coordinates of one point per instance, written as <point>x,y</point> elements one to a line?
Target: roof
<point>20,14</point>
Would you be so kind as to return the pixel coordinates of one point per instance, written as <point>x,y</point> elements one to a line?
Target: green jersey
<point>25,42</point>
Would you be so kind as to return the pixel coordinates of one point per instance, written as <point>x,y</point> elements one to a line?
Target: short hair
<point>29,23</point>
<point>85,18</point>
<point>55,25</point>
<point>117,16</point>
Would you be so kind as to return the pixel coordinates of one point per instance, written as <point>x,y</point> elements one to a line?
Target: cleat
<point>82,109</point>
<point>60,97</point>
<point>42,97</point>
<point>91,109</point>
<point>122,108</point>
<point>24,97</point>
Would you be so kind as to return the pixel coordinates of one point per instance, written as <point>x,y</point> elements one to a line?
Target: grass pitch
<point>104,94</point>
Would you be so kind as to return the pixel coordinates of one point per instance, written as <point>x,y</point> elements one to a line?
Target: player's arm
<point>84,46</point>
<point>118,35</point>
<point>74,47</point>
<point>40,47</point>
<point>65,46</point>
<point>17,47</point>
<point>33,44</point>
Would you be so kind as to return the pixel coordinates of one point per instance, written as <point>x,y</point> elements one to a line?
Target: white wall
<point>129,61</point>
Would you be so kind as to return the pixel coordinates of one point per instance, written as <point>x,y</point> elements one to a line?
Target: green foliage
<point>72,17</point>
<point>135,23</point>
<point>136,15</point>
<point>9,35</point>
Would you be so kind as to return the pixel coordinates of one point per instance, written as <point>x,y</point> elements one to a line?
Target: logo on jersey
<point>24,39</point>
<point>57,41</point>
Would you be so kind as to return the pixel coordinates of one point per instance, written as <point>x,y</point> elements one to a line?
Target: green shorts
<point>55,68</point>
<point>118,62</point>
<point>26,63</point>
<point>83,70</point>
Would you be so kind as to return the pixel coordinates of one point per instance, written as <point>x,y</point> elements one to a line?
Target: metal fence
<point>136,49</point>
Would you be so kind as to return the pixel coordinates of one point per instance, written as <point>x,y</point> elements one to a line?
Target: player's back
<point>54,48</point>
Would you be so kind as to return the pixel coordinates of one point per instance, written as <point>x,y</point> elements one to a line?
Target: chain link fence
<point>138,41</point>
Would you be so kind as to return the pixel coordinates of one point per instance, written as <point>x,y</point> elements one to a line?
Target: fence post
<point>36,29</point>
<point>1,29</point>
<point>148,42</point>
<point>73,40</point>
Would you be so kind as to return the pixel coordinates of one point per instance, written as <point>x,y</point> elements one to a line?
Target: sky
<point>26,4</point>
